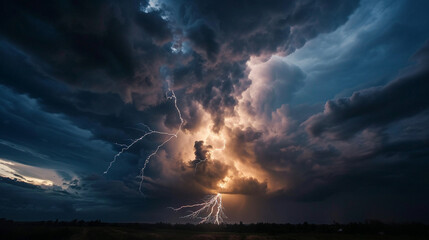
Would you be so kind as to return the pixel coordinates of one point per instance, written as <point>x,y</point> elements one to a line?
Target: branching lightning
<point>209,211</point>
<point>170,96</point>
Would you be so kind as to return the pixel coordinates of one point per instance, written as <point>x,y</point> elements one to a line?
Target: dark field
<point>105,231</point>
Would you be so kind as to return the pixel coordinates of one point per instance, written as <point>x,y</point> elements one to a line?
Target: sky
<point>294,111</point>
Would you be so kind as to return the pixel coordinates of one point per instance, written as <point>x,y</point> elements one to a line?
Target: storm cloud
<point>289,107</point>
<point>376,107</point>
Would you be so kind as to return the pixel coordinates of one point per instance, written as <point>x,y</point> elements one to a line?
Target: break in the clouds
<point>300,110</point>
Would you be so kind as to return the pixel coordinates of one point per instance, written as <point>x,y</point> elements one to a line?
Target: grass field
<point>25,231</point>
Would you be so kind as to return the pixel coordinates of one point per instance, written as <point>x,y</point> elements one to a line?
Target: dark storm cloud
<point>383,144</point>
<point>316,174</point>
<point>255,27</point>
<point>44,139</point>
<point>242,142</point>
<point>387,32</point>
<point>193,115</point>
<point>98,46</point>
<point>225,34</point>
<point>201,151</point>
<point>247,186</point>
<point>203,39</point>
<point>104,48</point>
<point>96,200</point>
<point>27,202</point>
<point>375,107</point>
<point>78,76</point>
<point>155,26</point>
<point>210,173</point>
<point>105,114</point>
<point>393,167</point>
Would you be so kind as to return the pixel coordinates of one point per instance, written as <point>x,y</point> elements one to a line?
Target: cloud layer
<point>290,107</point>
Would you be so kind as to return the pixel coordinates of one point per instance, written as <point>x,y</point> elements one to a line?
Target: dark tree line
<point>367,227</point>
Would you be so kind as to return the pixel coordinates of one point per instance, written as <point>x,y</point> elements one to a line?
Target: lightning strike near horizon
<point>209,211</point>
<point>170,95</point>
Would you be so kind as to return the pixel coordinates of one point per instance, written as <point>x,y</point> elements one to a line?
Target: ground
<point>136,231</point>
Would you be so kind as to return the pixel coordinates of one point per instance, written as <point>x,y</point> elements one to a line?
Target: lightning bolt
<point>170,95</point>
<point>209,211</point>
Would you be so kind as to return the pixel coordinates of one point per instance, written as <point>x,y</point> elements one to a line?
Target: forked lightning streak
<point>209,211</point>
<point>170,96</point>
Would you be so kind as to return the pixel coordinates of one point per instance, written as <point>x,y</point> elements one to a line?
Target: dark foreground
<point>106,231</point>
